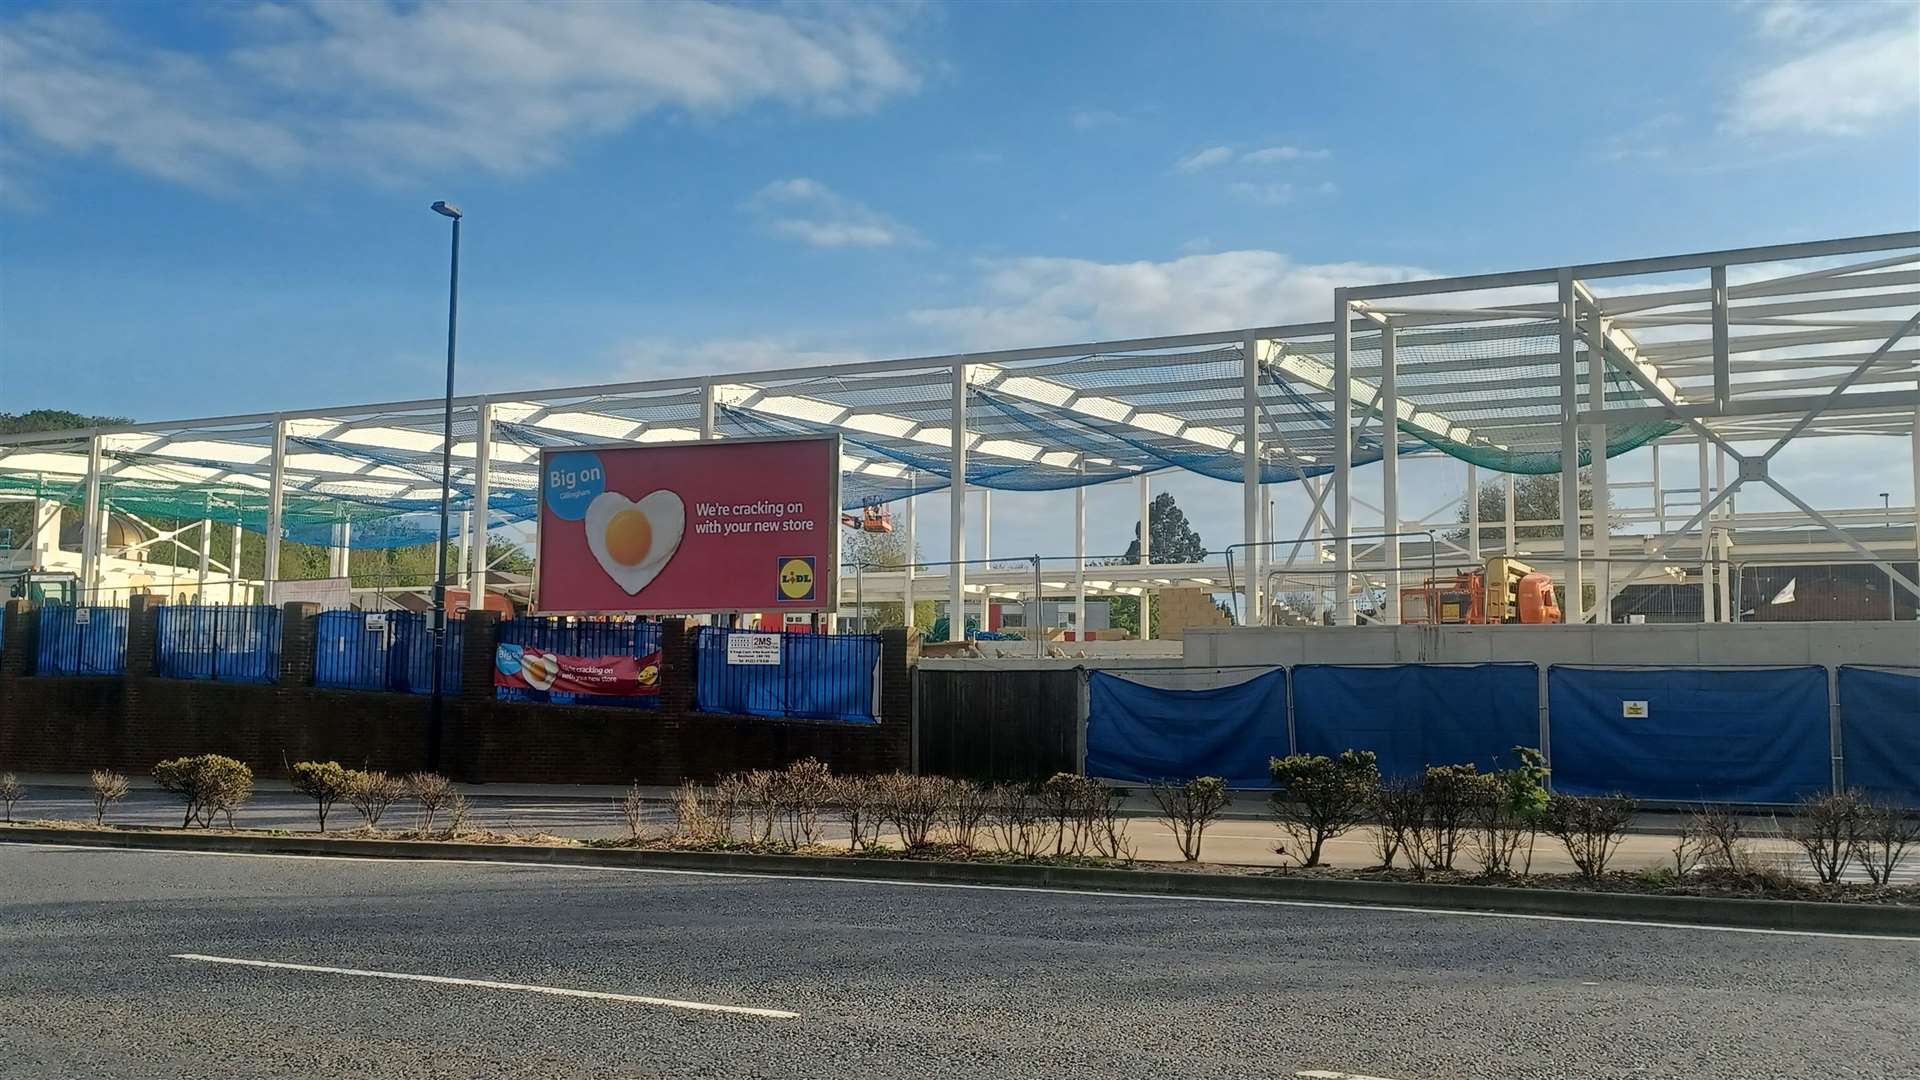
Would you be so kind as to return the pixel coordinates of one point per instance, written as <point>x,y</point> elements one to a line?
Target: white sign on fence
<point>753,648</point>
<point>376,621</point>
<point>1633,710</point>
<point>82,616</point>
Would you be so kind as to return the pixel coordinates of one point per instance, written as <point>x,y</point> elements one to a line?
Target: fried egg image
<point>540,670</point>
<point>634,540</point>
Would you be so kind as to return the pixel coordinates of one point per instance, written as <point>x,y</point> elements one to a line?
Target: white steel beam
<point>1390,468</point>
<point>957,511</point>
<point>1342,387</point>
<point>1597,470</point>
<point>1573,611</point>
<point>1146,535</point>
<point>1250,473</point>
<point>276,496</point>
<point>482,506</point>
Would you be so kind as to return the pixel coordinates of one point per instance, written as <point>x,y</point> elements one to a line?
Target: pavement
<point>160,965</point>
<point>592,812</point>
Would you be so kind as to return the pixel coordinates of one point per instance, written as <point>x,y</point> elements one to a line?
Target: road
<point>883,980</point>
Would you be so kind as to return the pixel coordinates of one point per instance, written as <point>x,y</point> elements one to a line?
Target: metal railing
<point>384,650</point>
<point>804,676</point>
<point>86,640</point>
<point>225,644</point>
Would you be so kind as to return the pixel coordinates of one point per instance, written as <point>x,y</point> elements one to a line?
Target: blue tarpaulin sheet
<point>1143,733</point>
<point>1750,735</point>
<point>1880,731</point>
<point>819,677</point>
<point>1415,715</point>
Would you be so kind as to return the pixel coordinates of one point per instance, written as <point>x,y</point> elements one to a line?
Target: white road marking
<point>1046,890</point>
<point>1317,1074</point>
<point>486,984</point>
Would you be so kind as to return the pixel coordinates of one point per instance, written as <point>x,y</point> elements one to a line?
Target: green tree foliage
<point>882,552</point>
<point>1317,798</point>
<point>1173,540</point>
<point>1536,497</point>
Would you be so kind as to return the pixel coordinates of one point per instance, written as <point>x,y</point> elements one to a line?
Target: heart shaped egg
<point>633,540</point>
<point>539,670</point>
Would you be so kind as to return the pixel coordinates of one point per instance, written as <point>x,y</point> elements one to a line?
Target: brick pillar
<point>296,642</point>
<point>676,669</point>
<point>20,642</point>
<point>469,713</point>
<point>140,636</point>
<point>896,679</point>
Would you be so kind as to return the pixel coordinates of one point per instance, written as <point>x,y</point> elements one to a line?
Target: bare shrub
<point>1505,813</point>
<point>1018,821</point>
<point>804,789</point>
<point>1689,849</point>
<point>1189,808</point>
<point>862,806</point>
<point>107,787</point>
<point>12,792</point>
<point>633,810</point>
<point>1887,830</point>
<point>758,797</point>
<point>1451,793</point>
<point>1723,836</point>
<point>325,782</point>
<point>913,805</point>
<point>372,793</point>
<point>1828,829</point>
<point>967,807</point>
<point>695,815</point>
<point>432,791</point>
<point>1106,827</point>
<point>458,812</point>
<point>1064,796</point>
<point>1591,827</point>
<point>1319,798</point>
<point>1399,809</point>
<point>209,784</point>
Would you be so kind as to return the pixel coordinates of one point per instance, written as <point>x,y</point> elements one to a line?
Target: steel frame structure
<point>1780,343</point>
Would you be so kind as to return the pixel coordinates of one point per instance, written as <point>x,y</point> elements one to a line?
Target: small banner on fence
<point>753,648</point>
<point>527,673</point>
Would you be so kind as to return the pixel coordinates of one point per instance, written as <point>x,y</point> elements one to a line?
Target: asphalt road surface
<point>122,964</point>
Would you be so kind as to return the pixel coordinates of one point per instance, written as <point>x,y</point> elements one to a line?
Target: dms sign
<point>678,528</point>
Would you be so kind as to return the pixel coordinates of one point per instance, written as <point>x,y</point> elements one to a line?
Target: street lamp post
<point>1886,517</point>
<point>445,209</point>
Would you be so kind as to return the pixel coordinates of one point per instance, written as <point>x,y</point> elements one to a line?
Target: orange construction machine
<point>1503,591</point>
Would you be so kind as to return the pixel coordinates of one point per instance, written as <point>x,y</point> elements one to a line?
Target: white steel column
<point>1573,610</point>
<point>276,496</point>
<point>233,565</point>
<point>706,410</point>
<point>1390,467</point>
<point>1250,473</point>
<point>91,526</point>
<point>1706,535</point>
<point>1146,534</point>
<point>482,506</point>
<point>463,562</point>
<point>906,585</point>
<point>206,556</point>
<point>1727,614</point>
<point>1597,470</point>
<point>1342,459</point>
<point>957,512</point>
<point>1916,494</point>
<point>1506,491</point>
<point>1659,496</point>
<point>1080,561</point>
<point>1473,511</point>
<point>986,552</point>
<point>339,562</point>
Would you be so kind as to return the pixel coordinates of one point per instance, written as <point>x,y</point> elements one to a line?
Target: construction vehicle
<point>40,586</point>
<point>874,517</point>
<point>1505,590</point>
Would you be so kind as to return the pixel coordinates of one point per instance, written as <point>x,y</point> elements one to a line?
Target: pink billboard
<point>677,528</point>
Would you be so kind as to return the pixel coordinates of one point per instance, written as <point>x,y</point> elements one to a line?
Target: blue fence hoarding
<point>799,676</point>
<point>1144,734</point>
<point>1415,715</point>
<point>223,643</point>
<point>1880,731</point>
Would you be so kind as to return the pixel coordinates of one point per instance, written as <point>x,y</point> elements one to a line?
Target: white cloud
<point>1204,159</point>
<point>1038,300</point>
<point>390,89</point>
<point>1272,154</point>
<point>813,213</point>
<point>1861,70</point>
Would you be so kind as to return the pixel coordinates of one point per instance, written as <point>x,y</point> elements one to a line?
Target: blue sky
<point>210,208</point>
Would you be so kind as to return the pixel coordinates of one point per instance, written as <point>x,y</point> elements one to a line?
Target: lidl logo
<point>796,578</point>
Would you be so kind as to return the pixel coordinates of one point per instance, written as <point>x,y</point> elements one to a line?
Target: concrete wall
<point>1712,644</point>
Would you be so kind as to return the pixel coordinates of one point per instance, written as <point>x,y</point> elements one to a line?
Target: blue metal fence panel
<point>1415,715</point>
<point>1744,735</point>
<point>819,677</point>
<point>581,637</point>
<point>1145,734</point>
<point>1880,731</point>
<point>393,652</point>
<point>238,643</point>
<point>81,641</point>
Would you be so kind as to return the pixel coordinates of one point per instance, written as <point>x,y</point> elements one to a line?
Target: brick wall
<point>69,725</point>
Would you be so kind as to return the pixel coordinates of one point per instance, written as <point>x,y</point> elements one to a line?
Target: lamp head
<point>446,209</point>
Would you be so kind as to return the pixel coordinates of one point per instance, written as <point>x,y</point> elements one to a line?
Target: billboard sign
<point>677,528</point>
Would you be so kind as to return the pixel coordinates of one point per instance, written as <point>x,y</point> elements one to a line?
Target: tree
<point>1536,497</point>
<point>1173,541</point>
<point>883,551</point>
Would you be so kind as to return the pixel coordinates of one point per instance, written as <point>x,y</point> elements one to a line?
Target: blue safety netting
<point>1415,715</point>
<point>1880,731</point>
<point>1744,735</point>
<point>1145,734</point>
<point>819,677</point>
